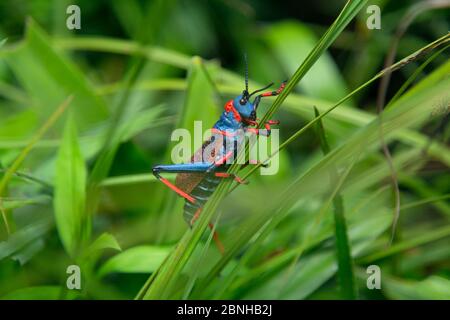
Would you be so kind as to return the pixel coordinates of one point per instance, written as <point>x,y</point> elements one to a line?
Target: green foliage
<point>70,192</point>
<point>139,259</point>
<point>292,42</point>
<point>79,190</point>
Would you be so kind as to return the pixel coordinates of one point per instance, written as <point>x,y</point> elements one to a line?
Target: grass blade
<point>347,14</point>
<point>406,112</point>
<point>440,233</point>
<point>345,263</point>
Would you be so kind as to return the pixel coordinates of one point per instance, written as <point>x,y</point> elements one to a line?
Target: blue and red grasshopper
<point>197,180</point>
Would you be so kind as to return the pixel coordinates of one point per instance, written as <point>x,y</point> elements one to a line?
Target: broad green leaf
<point>311,272</point>
<point>17,203</point>
<point>70,192</point>
<point>53,78</point>
<point>141,259</point>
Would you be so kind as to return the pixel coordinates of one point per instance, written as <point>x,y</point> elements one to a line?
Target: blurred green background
<point>139,69</point>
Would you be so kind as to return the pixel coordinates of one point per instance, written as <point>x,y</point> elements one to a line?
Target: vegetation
<point>363,165</point>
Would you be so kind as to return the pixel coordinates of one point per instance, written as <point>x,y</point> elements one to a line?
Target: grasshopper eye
<point>242,102</point>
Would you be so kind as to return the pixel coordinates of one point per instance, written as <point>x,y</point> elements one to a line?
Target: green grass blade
<point>139,259</point>
<point>416,73</point>
<point>157,290</point>
<point>295,103</point>
<point>70,192</point>
<point>47,125</point>
<point>23,154</point>
<point>433,287</point>
<point>345,262</point>
<point>175,263</point>
<point>291,42</point>
<point>54,77</point>
<point>129,179</point>
<point>299,105</point>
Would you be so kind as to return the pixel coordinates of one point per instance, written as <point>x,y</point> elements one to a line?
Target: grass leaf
<point>405,113</point>
<point>23,154</point>
<point>171,269</point>
<point>345,263</point>
<point>23,237</point>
